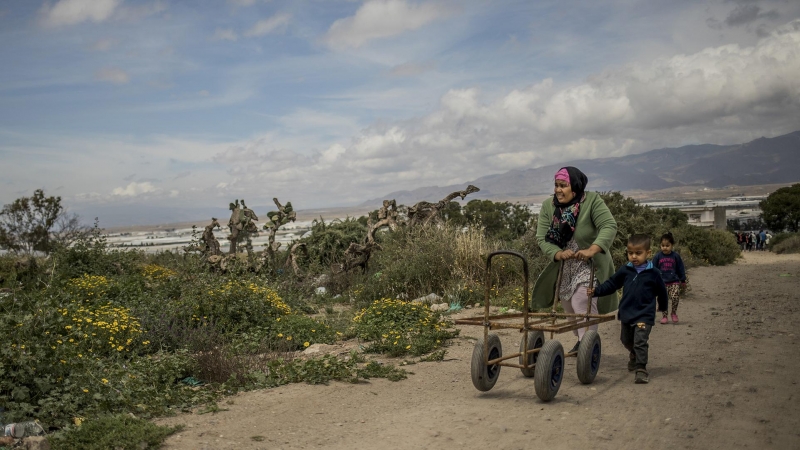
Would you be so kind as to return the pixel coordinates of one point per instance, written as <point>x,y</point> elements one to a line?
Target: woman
<point>573,227</point>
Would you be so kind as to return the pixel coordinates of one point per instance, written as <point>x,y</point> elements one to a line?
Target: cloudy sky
<point>326,103</point>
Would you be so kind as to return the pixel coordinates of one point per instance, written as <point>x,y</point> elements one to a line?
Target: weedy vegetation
<point>99,340</point>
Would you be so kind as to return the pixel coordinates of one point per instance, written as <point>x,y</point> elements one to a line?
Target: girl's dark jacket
<point>671,267</point>
<point>639,293</point>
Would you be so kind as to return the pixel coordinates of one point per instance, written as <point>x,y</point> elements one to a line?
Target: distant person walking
<point>762,237</point>
<point>673,272</point>
<point>757,237</point>
<point>575,226</point>
<point>748,239</point>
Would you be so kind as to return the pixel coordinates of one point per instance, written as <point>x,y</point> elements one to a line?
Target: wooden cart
<point>544,361</point>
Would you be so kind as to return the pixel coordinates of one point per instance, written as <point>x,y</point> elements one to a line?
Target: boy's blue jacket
<point>639,293</point>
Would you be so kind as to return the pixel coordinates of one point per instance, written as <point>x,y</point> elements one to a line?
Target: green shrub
<point>780,237</point>
<point>297,332</point>
<point>19,272</point>
<point>397,328</point>
<point>67,356</point>
<point>234,304</point>
<point>787,245</point>
<point>119,431</point>
<point>279,371</point>
<point>425,260</point>
<point>328,241</point>
<point>714,247</point>
<point>91,255</point>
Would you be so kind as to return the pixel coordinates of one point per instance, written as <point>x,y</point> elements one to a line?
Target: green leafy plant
<point>397,327</point>
<point>297,332</point>
<point>788,244</point>
<point>119,431</point>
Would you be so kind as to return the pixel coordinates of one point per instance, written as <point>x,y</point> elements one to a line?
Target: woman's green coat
<point>595,225</point>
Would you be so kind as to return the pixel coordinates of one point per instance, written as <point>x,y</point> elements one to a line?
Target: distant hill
<point>762,161</point>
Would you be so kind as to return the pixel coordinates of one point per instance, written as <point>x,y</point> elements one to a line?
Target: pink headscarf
<point>563,175</point>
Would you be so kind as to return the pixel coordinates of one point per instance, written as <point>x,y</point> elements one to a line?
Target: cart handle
<point>486,300</point>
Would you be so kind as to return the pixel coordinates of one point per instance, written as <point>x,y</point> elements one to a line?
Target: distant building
<point>706,216</point>
<point>716,213</point>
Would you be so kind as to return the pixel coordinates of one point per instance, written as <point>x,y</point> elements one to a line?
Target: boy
<point>641,285</point>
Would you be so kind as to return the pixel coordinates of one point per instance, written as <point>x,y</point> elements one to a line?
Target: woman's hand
<point>564,255</point>
<point>587,254</point>
<point>583,255</point>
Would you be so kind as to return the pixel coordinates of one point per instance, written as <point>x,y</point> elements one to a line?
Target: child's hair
<point>643,240</point>
<point>668,237</point>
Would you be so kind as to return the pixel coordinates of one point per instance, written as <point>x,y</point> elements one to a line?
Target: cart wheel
<point>589,357</point>
<point>535,340</point>
<point>549,370</point>
<point>483,376</point>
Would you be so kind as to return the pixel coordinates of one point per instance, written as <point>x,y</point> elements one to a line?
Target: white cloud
<point>224,35</point>
<point>377,19</point>
<point>134,189</point>
<point>718,94</point>
<point>112,75</point>
<point>71,12</point>
<point>274,24</point>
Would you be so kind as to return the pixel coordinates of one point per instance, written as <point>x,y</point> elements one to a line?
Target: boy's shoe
<point>664,320</point>
<point>575,348</point>
<point>674,318</point>
<point>631,364</point>
<point>642,377</point>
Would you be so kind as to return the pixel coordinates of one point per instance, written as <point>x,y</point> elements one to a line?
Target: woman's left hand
<point>587,254</point>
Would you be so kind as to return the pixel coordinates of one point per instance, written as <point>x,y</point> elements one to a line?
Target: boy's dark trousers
<point>635,338</point>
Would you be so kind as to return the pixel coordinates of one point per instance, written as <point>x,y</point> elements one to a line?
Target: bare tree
<point>357,255</point>
<point>68,229</point>
<point>424,213</point>
<point>242,225</point>
<point>277,219</point>
<point>291,260</point>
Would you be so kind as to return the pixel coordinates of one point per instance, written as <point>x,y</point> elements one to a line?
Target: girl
<point>672,272</point>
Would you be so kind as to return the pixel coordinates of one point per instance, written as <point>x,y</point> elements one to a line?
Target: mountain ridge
<point>760,161</point>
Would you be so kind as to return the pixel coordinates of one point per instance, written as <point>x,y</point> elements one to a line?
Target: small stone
<point>429,299</point>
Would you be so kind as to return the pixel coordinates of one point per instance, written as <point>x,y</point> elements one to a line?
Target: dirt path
<point>726,376</point>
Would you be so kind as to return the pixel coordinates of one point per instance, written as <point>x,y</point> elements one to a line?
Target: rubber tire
<point>549,370</point>
<point>589,357</point>
<point>484,377</point>
<point>535,340</point>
